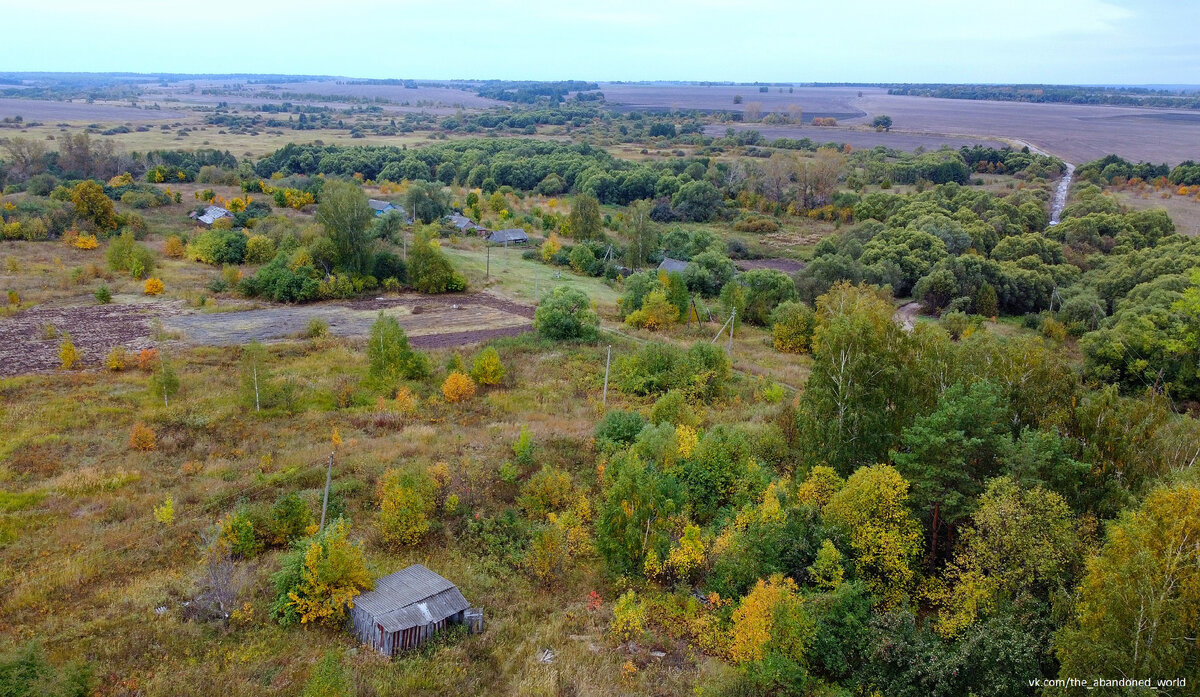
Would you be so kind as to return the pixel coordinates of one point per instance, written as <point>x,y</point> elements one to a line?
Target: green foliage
<point>391,359</point>
<point>950,454</point>
<point>702,371</point>
<point>93,206</point>
<point>1139,598</point>
<point>329,678</point>
<point>584,220</point>
<point>548,491</point>
<point>218,247</point>
<point>487,368</point>
<point>429,269</point>
<point>25,672</point>
<point>673,408</point>
<point>765,290</point>
<point>426,201</point>
<point>278,281</point>
<point>633,515</point>
<point>319,577</point>
<point>567,315</point>
<point>103,295</point>
<point>289,519</point>
<point>406,504</point>
<point>792,327</point>
<point>345,214</point>
<point>618,428</point>
<point>126,255</point>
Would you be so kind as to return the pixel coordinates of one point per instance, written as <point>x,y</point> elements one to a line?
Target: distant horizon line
<point>647,81</point>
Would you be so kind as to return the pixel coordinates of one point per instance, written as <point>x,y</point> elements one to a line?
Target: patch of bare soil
<point>788,266</point>
<point>26,346</point>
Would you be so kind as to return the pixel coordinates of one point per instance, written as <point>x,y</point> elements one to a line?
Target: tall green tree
<point>858,395</point>
<point>345,215</point>
<point>1138,614</point>
<point>426,201</point>
<point>585,217</point>
<point>634,515</point>
<point>643,235</point>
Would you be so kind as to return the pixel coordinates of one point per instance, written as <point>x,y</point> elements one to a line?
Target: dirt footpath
<point>430,321</point>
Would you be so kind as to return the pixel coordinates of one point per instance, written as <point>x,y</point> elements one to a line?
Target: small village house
<point>509,236</point>
<point>672,265</point>
<point>407,608</point>
<point>210,215</point>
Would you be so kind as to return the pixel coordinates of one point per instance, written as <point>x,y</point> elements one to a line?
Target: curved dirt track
<point>430,321</point>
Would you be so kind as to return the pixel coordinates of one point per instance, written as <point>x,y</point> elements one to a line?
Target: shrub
<point>756,224</point>
<point>154,286</point>
<point>174,247</point>
<point>69,357</point>
<point>103,295</point>
<point>147,360</point>
<point>702,371</point>
<point>142,438</point>
<point>165,512</point>
<point>216,246</point>
<point>673,408</point>
<point>316,328</point>
<point>792,327</point>
<point>582,259</point>
<point>235,533</point>
<point>488,369</point>
<point>126,255</point>
<point>117,359</point>
<point>289,519</point>
<point>458,387</point>
<point>523,448</point>
<point>405,504</point>
<point>391,359</point>
<point>547,491</point>
<point>320,578</point>
<point>86,242</point>
<point>259,249</point>
<point>567,315</point>
<point>617,428</point>
<point>629,618</point>
<point>25,672</point>
<point>656,312</point>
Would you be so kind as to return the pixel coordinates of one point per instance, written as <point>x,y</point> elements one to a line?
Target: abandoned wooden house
<point>407,608</point>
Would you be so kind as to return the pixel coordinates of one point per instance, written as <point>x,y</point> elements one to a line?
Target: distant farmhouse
<point>509,236</point>
<point>463,223</point>
<point>382,208</point>
<point>407,608</point>
<point>210,215</point>
<point>672,265</point>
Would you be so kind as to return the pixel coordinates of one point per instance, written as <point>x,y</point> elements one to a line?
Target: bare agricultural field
<point>429,99</point>
<point>837,102</point>
<point>1076,133</point>
<point>26,345</point>
<point>1184,210</point>
<point>856,137</point>
<point>48,111</point>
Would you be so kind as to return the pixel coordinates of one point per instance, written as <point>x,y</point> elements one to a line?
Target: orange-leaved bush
<point>154,286</point>
<point>458,387</point>
<point>142,438</point>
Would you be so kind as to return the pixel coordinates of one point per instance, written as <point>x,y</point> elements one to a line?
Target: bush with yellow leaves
<point>488,369</point>
<point>69,357</point>
<point>319,580</point>
<point>458,387</point>
<point>629,618</point>
<point>86,242</point>
<point>154,286</point>
<point>174,248</point>
<point>406,502</point>
<point>771,622</point>
<point>117,359</point>
<point>656,313</point>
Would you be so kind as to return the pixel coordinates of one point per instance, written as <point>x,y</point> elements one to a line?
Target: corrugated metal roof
<point>668,264</point>
<point>509,235</point>
<point>212,214</point>
<point>378,205</point>
<point>411,597</point>
<point>462,222</point>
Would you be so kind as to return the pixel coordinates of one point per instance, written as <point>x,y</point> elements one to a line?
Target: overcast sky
<point>1048,41</point>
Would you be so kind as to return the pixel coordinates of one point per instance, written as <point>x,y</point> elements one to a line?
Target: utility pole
<point>162,362</point>
<point>488,273</point>
<point>732,321</point>
<point>328,480</point>
<point>607,363</point>
<point>257,405</point>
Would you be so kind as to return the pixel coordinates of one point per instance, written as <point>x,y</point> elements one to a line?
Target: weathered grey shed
<point>212,214</point>
<point>513,235</point>
<point>672,265</point>
<point>405,609</point>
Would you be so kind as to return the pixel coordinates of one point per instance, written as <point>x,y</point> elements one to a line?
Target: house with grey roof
<point>211,214</point>
<point>510,236</point>
<point>383,207</point>
<point>407,608</point>
<point>463,223</point>
<point>672,265</point>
